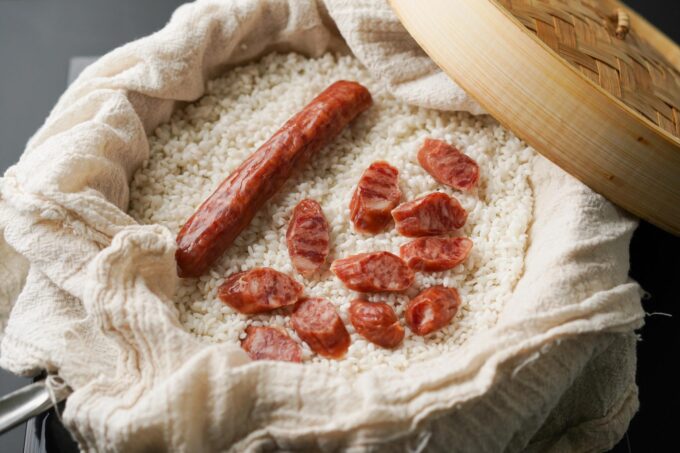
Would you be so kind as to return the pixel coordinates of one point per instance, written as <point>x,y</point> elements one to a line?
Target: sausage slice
<point>269,343</point>
<point>377,193</point>
<point>432,309</point>
<point>435,253</point>
<point>319,325</point>
<point>377,322</point>
<point>448,165</point>
<point>259,290</point>
<point>431,215</point>
<point>373,272</point>
<point>308,237</point>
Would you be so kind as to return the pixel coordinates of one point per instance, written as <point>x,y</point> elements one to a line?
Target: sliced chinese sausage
<point>318,324</point>
<point>435,253</point>
<point>373,272</point>
<point>431,215</point>
<point>259,290</point>
<point>308,237</point>
<point>432,309</point>
<point>377,322</point>
<point>269,343</point>
<point>377,193</point>
<point>448,165</point>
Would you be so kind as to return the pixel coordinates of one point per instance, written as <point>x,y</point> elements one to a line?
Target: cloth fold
<point>91,291</point>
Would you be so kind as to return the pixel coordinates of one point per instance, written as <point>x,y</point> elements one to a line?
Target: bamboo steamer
<point>588,83</point>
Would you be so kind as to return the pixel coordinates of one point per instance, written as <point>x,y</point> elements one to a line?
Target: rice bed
<point>207,140</point>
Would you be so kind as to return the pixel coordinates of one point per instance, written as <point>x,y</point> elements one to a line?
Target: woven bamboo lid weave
<point>588,83</point>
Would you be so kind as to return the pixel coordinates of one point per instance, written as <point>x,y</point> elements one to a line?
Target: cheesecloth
<point>90,291</point>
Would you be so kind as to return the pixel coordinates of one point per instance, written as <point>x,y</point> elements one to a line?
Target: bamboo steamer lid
<point>588,83</point>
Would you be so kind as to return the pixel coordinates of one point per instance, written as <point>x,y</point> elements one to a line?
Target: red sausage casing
<point>220,219</point>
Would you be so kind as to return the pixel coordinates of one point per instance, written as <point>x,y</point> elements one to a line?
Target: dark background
<point>38,37</point>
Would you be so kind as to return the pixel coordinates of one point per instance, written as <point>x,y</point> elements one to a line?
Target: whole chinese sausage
<point>224,214</point>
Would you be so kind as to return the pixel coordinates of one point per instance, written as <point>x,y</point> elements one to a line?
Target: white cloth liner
<point>91,291</point>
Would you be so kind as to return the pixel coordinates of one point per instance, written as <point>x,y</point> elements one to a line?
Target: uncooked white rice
<point>207,140</point>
